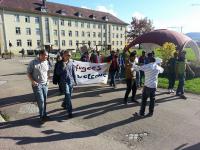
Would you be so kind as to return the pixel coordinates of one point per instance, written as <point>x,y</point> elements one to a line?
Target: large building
<point>34,24</point>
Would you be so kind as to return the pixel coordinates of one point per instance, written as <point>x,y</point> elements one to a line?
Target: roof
<point>34,6</point>
<point>160,37</point>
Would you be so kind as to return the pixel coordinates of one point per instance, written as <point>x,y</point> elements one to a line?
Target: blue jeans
<point>112,78</point>
<point>40,91</point>
<point>180,89</point>
<point>67,89</point>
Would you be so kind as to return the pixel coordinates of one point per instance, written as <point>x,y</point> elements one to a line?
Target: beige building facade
<point>31,30</point>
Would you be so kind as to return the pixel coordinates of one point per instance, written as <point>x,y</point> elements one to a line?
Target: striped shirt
<point>151,74</point>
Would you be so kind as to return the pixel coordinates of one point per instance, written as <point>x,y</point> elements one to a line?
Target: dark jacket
<point>66,72</point>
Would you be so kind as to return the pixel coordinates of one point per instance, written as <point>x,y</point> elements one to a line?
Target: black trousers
<point>131,85</point>
<point>172,79</point>
<point>148,92</point>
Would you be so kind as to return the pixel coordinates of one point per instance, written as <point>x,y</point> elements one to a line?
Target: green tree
<point>139,27</point>
<point>167,51</point>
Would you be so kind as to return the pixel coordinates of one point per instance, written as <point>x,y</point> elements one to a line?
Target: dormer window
<point>43,9</point>
<point>93,17</point>
<point>62,12</point>
<point>79,14</point>
<point>105,18</point>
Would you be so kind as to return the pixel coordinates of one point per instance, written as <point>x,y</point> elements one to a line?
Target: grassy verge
<point>192,86</point>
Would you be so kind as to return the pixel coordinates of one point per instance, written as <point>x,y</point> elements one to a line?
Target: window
<point>83,34</point>
<point>94,25</point>
<point>70,33</point>
<point>88,34</point>
<point>77,42</point>
<point>104,35</point>
<point>121,28</point>
<point>94,34</point>
<point>104,42</point>
<point>56,42</point>
<point>104,26</point>
<point>121,43</point>
<point>99,42</point>
<point>28,31</point>
<point>94,43</point>
<point>69,23</point>
<point>17,18</point>
<point>113,27</point>
<point>88,25</point>
<point>83,42</point>
<point>113,43</point>
<point>99,26</point>
<point>113,35</point>
<point>19,43</point>
<point>37,31</point>
<point>62,23</point>
<point>18,31</point>
<point>82,24</point>
<point>55,21</point>
<point>27,19</point>
<point>117,35</point>
<point>117,42</point>
<point>76,23</point>
<point>117,28</point>
<point>55,32</point>
<point>38,43</point>
<point>76,33</point>
<point>121,35</point>
<point>63,32</point>
<point>70,43</point>
<point>37,20</point>
<point>99,34</point>
<point>63,43</point>
<point>29,43</point>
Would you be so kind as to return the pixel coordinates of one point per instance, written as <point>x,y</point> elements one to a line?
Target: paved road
<point>101,120</point>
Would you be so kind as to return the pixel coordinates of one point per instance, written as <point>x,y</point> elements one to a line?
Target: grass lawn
<point>192,86</point>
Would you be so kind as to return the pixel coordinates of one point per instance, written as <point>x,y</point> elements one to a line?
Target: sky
<point>178,15</point>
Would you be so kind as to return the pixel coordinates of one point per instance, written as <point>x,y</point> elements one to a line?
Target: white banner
<point>90,73</point>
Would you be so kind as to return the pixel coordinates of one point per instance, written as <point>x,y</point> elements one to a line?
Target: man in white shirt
<point>151,72</point>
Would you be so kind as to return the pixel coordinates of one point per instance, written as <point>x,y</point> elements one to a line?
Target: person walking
<point>38,73</point>
<point>23,53</point>
<point>172,72</point>
<point>66,71</point>
<point>141,62</point>
<point>130,75</point>
<point>151,72</point>
<point>113,59</point>
<point>181,67</point>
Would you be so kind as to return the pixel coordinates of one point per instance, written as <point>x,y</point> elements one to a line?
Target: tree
<point>139,27</point>
<point>167,51</point>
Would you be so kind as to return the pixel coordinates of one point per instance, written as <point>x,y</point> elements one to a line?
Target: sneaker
<point>183,97</point>
<point>149,114</point>
<point>172,91</point>
<point>169,91</point>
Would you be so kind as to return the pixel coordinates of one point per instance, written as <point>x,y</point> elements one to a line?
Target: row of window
<point>70,33</point>
<point>69,23</point>
<point>28,31</point>
<point>29,43</point>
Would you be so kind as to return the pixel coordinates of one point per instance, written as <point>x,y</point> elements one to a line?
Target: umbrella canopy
<point>161,36</point>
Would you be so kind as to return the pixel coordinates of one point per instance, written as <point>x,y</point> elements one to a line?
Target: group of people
<point>64,75</point>
<point>38,73</point>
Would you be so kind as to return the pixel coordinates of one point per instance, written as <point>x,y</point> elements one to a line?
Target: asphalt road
<point>101,120</point>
